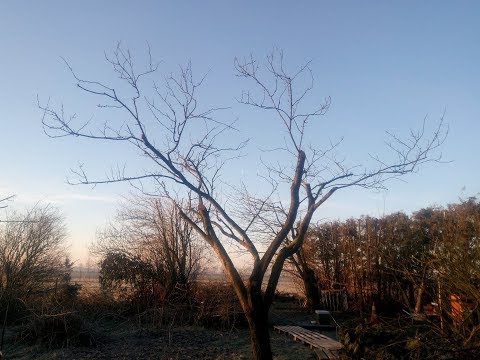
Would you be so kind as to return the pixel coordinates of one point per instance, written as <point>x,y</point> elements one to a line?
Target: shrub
<point>57,330</point>
<point>31,253</point>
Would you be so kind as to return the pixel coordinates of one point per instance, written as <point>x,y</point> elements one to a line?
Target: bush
<point>57,330</point>
<point>31,253</point>
<point>148,250</point>
<point>401,338</point>
<point>216,305</point>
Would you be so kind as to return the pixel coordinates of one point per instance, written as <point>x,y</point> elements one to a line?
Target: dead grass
<point>126,341</point>
<point>207,326</point>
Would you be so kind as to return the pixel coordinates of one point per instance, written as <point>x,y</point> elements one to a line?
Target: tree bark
<point>259,333</point>
<point>257,317</point>
<point>418,300</point>
<point>311,289</point>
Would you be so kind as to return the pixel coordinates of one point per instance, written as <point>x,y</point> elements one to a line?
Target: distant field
<point>88,278</point>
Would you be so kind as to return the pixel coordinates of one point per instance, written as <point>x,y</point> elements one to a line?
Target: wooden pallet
<point>325,347</point>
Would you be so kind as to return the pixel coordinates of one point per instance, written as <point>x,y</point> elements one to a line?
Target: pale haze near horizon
<point>385,66</point>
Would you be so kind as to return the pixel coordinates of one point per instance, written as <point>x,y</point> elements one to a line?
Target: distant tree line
<point>430,256</point>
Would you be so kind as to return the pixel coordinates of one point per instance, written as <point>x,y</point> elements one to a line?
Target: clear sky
<point>386,66</point>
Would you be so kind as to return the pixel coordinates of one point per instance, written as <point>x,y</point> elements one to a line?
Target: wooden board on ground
<point>323,354</point>
<point>327,348</point>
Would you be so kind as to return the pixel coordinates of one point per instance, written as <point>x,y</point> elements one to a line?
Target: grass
<point>121,334</point>
<point>126,341</point>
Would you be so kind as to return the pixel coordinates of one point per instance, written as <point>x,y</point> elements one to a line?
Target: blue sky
<point>386,66</point>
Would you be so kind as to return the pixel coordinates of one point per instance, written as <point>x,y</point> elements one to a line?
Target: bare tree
<point>188,148</point>
<point>152,231</point>
<point>31,253</point>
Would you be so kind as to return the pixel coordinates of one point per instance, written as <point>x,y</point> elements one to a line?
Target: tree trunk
<point>418,300</point>
<point>259,334</point>
<point>311,289</point>
<point>257,317</point>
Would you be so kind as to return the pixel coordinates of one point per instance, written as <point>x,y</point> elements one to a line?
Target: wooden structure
<point>325,347</point>
<point>334,300</point>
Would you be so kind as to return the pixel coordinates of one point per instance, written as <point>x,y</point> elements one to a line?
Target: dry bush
<point>100,306</point>
<point>401,338</point>
<point>149,251</point>
<point>57,330</point>
<point>31,253</point>
<point>216,305</point>
<point>211,304</point>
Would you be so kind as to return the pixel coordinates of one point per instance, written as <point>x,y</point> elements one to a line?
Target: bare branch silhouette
<point>189,145</point>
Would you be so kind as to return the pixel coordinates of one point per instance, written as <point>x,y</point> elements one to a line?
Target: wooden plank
<point>321,355</point>
<point>324,347</point>
<point>311,338</point>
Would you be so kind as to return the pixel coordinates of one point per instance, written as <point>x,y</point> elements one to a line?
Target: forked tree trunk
<point>311,289</point>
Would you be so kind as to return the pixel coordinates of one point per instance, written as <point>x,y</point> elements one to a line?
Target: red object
<point>373,316</point>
